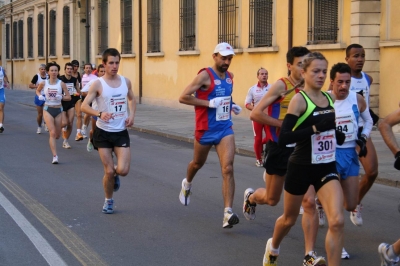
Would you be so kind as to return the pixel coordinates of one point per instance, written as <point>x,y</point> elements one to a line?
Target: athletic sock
<point>391,253</point>
<point>78,131</point>
<point>227,209</point>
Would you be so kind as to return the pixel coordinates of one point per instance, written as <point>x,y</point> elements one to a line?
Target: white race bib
<point>323,147</point>
<point>51,94</point>
<point>223,111</point>
<point>117,106</point>
<point>71,88</point>
<point>345,124</point>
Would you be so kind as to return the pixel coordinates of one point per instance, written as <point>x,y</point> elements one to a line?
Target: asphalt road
<point>51,214</point>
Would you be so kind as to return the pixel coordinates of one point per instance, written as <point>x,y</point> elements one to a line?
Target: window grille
<point>187,25</point>
<point>66,27</point>
<point>52,33</point>
<point>126,26</point>
<point>227,22</point>
<point>260,23</point>
<point>322,21</point>
<point>40,35</point>
<point>8,41</point>
<point>30,37</point>
<point>15,39</point>
<point>21,39</point>
<point>153,26</point>
<point>102,26</point>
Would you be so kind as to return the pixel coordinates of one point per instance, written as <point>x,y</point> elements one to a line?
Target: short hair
<point>297,51</point>
<point>258,71</point>
<point>339,68</point>
<point>100,66</point>
<point>68,64</point>
<point>50,64</point>
<point>75,62</point>
<point>311,57</point>
<point>110,52</point>
<point>88,64</point>
<point>42,65</point>
<point>353,45</point>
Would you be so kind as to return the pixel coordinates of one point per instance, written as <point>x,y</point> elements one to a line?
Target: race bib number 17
<point>117,106</point>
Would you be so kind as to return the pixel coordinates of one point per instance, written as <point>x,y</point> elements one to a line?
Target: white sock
<point>274,251</point>
<point>84,127</point>
<point>78,131</point>
<point>1,124</point>
<point>187,184</point>
<point>227,209</point>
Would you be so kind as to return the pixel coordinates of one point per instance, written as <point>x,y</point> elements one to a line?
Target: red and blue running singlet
<point>215,119</point>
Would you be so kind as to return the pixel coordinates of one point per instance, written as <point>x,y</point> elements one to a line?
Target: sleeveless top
<point>51,91</point>
<point>361,86</point>
<point>115,101</point>
<point>347,115</point>
<point>318,148</point>
<point>40,80</point>
<point>70,83</point>
<point>215,119</point>
<point>279,108</point>
<point>1,78</point>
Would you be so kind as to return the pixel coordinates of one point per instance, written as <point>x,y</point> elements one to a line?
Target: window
<point>187,25</point>
<point>40,35</point>
<point>322,21</point>
<point>8,36</point>
<point>52,33</point>
<point>260,23</point>
<point>153,26</point>
<point>30,37</point>
<point>15,39</point>
<point>21,38</point>
<point>227,17</point>
<point>126,26</point>
<point>102,26</point>
<point>65,30</point>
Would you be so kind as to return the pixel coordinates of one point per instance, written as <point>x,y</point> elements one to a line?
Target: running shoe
<point>312,259</point>
<point>345,255</point>
<point>64,134</point>
<point>1,129</point>
<point>249,210</point>
<point>117,183</point>
<point>89,146</point>
<point>301,210</point>
<point>39,130</point>
<point>45,128</point>
<point>184,196</point>
<point>66,145</point>
<point>108,206</point>
<point>355,216</point>
<point>259,163</point>
<point>385,260</point>
<point>83,132</point>
<point>230,219</point>
<point>269,259</point>
<point>78,136</point>
<point>55,160</point>
<point>321,214</point>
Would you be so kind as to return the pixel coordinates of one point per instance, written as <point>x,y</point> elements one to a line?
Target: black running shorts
<point>275,163</point>
<point>105,139</point>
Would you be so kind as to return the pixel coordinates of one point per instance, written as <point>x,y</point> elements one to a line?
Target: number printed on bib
<point>117,106</point>
<point>71,88</point>
<point>345,124</point>
<point>52,93</point>
<point>223,111</point>
<point>323,147</point>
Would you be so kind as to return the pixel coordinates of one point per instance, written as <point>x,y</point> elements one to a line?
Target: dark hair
<point>297,51</point>
<point>75,62</point>
<point>353,45</point>
<point>68,64</point>
<point>339,68</point>
<point>88,64</point>
<point>100,66</point>
<point>311,57</point>
<point>50,64</point>
<point>110,52</point>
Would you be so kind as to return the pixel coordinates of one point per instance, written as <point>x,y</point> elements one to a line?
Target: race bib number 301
<point>323,147</point>
<point>223,111</point>
<point>117,106</point>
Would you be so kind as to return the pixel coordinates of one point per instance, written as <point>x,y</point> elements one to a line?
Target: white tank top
<point>51,91</point>
<point>362,86</point>
<point>115,101</point>
<point>347,115</point>
<point>40,80</point>
<point>1,78</point>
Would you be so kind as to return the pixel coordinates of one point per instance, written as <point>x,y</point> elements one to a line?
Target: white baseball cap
<point>224,49</point>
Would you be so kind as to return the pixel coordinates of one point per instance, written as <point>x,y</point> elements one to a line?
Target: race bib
<point>223,111</point>
<point>51,94</point>
<point>117,106</point>
<point>71,88</point>
<point>323,147</point>
<point>345,124</point>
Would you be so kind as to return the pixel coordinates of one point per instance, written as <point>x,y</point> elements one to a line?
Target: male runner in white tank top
<point>114,96</point>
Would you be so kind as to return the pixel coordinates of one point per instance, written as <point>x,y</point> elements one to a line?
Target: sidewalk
<point>179,124</point>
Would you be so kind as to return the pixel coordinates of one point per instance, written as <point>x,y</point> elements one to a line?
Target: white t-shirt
<point>255,94</point>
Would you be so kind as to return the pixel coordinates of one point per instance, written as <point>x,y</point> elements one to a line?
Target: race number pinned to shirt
<point>345,124</point>
<point>223,111</point>
<point>52,94</point>
<point>117,106</point>
<point>323,147</point>
<point>71,88</point>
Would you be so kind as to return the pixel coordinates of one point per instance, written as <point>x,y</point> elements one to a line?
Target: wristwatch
<point>99,115</point>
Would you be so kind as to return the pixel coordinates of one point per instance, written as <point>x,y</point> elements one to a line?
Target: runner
<point>68,113</point>
<point>361,83</point>
<point>86,78</point>
<point>4,83</point>
<point>36,80</point>
<point>254,95</point>
<point>78,112</point>
<point>100,72</point>
<point>54,91</point>
<point>116,111</point>
<point>310,123</point>
<point>212,89</point>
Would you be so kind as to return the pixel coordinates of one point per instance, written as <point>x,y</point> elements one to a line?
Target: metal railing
<point>260,31</point>
<point>126,26</point>
<point>227,22</point>
<point>187,25</point>
<point>66,30</point>
<point>153,26</point>
<point>102,26</point>
<point>322,21</point>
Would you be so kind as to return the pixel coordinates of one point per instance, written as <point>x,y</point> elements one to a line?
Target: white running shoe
<point>249,210</point>
<point>84,133</point>
<point>345,255</point>
<point>269,259</point>
<point>385,260</point>
<point>55,160</point>
<point>66,145</point>
<point>301,210</point>
<point>89,146</point>
<point>312,259</point>
<point>45,128</point>
<point>39,130</point>
<point>355,216</point>
<point>184,195</point>
<point>321,214</point>
<point>230,219</point>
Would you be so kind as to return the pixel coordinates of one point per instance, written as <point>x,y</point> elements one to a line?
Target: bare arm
<point>93,92</point>
<point>67,96</point>
<point>39,88</point>
<point>131,104</point>
<point>385,127</point>
<point>32,86</point>
<point>202,80</point>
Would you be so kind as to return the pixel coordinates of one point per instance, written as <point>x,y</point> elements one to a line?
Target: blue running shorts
<point>206,137</point>
<point>38,102</point>
<point>347,163</point>
<point>2,96</point>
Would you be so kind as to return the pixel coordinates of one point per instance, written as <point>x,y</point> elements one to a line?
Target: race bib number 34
<point>323,147</point>
<point>223,111</point>
<point>117,106</point>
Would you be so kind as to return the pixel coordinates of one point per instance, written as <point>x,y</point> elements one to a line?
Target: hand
<point>216,102</point>
<point>362,142</point>
<point>58,97</point>
<point>42,98</point>
<point>326,124</point>
<point>340,137</point>
<point>106,116</point>
<point>397,161</point>
<point>236,109</point>
<point>129,121</point>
